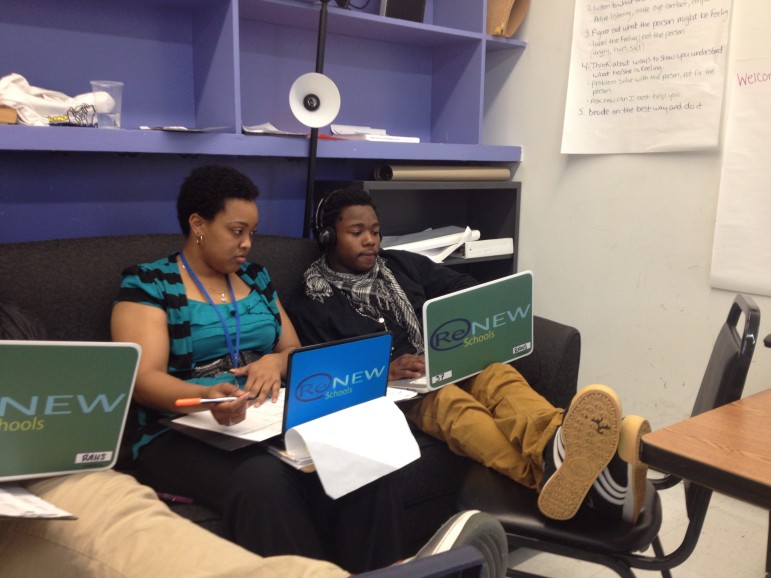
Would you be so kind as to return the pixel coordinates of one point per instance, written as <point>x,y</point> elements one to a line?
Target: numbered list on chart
<point>646,75</point>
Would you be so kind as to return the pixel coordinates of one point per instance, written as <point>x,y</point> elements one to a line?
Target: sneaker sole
<point>472,528</point>
<point>590,432</point>
<point>633,428</point>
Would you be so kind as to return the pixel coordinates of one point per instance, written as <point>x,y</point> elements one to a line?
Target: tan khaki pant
<point>123,530</point>
<point>495,418</point>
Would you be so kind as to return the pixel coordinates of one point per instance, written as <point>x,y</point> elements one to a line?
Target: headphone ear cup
<point>325,237</point>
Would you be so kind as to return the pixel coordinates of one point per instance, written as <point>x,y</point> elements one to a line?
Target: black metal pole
<point>314,137</point>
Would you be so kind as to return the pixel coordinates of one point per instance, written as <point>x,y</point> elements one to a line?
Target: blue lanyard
<point>233,351</point>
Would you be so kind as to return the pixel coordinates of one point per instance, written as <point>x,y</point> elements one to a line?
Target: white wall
<point>620,245</point>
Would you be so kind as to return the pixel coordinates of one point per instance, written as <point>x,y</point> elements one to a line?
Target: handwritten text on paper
<point>643,73</point>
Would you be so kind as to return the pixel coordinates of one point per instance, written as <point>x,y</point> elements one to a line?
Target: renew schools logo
<point>313,387</point>
<point>27,414</point>
<point>325,385</point>
<point>461,332</point>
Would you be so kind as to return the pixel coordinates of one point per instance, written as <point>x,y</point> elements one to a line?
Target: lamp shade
<point>314,100</point>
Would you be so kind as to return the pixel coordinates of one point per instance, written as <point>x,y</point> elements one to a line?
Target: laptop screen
<point>468,330</point>
<point>328,377</point>
<point>63,405</point>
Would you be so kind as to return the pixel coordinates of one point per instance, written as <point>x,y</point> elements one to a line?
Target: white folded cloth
<point>42,107</point>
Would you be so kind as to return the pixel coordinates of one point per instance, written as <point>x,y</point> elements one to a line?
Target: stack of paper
<point>18,502</point>
<point>436,244</point>
<point>347,132</point>
<point>268,129</point>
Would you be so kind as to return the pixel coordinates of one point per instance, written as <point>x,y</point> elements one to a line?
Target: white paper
<point>268,129</point>
<point>185,128</point>
<point>436,244</point>
<point>396,394</point>
<point>261,423</point>
<point>264,422</point>
<point>355,446</point>
<point>346,129</point>
<point>18,502</point>
<point>741,252</point>
<point>646,76</point>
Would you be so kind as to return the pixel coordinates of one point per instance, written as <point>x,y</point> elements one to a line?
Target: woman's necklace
<point>223,294</point>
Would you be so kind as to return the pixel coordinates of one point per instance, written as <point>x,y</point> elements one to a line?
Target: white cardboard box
<point>488,248</point>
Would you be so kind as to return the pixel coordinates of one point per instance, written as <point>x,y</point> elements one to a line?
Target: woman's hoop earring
<point>199,239</point>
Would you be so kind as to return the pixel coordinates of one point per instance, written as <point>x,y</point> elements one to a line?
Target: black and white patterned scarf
<point>370,294</point>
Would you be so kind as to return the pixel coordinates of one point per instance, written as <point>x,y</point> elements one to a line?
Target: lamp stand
<point>314,136</point>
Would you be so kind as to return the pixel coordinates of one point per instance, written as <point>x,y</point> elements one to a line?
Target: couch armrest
<point>552,367</point>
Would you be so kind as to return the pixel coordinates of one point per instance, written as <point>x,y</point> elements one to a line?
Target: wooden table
<point>727,449</point>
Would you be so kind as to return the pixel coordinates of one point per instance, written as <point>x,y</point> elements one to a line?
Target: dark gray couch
<point>69,285</point>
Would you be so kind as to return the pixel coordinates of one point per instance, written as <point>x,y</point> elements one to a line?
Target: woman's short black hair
<point>206,190</point>
<point>332,205</point>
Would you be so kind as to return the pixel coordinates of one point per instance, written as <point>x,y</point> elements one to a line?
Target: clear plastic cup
<point>107,102</point>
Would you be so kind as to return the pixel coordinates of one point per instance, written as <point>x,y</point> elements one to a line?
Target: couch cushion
<point>79,309</point>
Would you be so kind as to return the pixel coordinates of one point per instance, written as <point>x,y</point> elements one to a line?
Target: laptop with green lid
<point>63,405</point>
<point>465,331</point>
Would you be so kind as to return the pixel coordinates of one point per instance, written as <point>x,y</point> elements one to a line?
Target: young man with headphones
<point>494,417</point>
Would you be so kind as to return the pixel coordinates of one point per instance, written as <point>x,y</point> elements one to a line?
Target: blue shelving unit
<point>225,63</point>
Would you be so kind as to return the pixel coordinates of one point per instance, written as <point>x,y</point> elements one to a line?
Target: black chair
<point>618,545</point>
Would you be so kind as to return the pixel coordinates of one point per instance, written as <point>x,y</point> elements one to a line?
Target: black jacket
<point>419,277</point>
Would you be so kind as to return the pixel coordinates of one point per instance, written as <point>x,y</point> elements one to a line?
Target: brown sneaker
<point>583,446</point>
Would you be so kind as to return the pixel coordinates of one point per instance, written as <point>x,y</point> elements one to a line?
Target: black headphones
<point>325,236</point>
